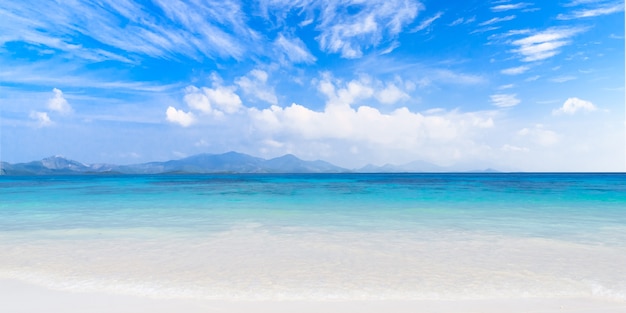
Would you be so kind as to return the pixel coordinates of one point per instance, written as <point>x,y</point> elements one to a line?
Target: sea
<point>319,237</point>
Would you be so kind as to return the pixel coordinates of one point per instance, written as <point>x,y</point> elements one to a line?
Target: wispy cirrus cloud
<point>293,49</point>
<point>509,6</point>
<point>544,44</point>
<point>592,8</point>
<point>70,75</point>
<point>123,30</point>
<point>515,70</point>
<point>497,20</point>
<point>427,22</point>
<point>463,20</point>
<point>505,100</point>
<point>348,27</point>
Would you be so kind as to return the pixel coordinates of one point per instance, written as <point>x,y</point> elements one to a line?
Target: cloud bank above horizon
<point>501,84</point>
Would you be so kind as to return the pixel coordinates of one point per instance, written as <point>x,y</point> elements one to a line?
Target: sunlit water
<point>321,236</point>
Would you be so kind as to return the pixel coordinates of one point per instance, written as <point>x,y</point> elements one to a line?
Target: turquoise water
<point>319,236</point>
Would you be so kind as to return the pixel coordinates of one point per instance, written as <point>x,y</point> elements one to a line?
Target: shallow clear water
<point>319,236</point>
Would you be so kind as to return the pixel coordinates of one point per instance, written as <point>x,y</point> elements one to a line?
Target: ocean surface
<point>319,236</point>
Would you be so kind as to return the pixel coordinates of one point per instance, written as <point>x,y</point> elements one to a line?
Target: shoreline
<point>21,297</point>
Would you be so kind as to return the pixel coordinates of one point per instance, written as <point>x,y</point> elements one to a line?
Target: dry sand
<point>19,297</point>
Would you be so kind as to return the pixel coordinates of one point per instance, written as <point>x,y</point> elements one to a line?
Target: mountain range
<point>230,162</point>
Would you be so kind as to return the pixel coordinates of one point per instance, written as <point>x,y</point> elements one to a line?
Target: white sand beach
<point>19,297</point>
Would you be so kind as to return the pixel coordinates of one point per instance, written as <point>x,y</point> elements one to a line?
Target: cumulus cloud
<point>254,84</point>
<point>353,91</point>
<point>224,98</point>
<point>362,125</point>
<point>42,118</point>
<point>398,129</point>
<point>391,94</point>
<point>58,103</point>
<point>216,101</point>
<point>504,100</point>
<point>544,44</point>
<point>185,119</point>
<point>349,121</point>
<point>573,105</point>
<point>197,100</point>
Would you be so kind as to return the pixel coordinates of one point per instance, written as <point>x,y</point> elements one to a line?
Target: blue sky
<point>534,86</point>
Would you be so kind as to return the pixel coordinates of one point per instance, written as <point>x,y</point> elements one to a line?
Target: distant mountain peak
<point>58,162</point>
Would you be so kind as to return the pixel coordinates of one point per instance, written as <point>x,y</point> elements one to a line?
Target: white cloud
<point>197,100</point>
<point>255,85</point>
<point>515,70</point>
<point>484,29</point>
<point>497,20</point>
<point>294,49</point>
<point>506,7</point>
<point>462,20</point>
<point>179,28</point>
<point>340,120</point>
<point>345,123</point>
<point>545,44</point>
<point>366,127</point>
<point>353,91</point>
<point>391,94</point>
<point>593,12</point>
<point>458,21</point>
<point>391,47</point>
<point>339,93</point>
<point>504,100</point>
<point>42,118</point>
<point>539,135</point>
<point>58,103</point>
<point>216,101</point>
<point>349,27</point>
<point>365,124</point>
<point>224,98</point>
<point>573,105</point>
<point>348,121</point>
<point>427,22</point>
<point>181,117</point>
